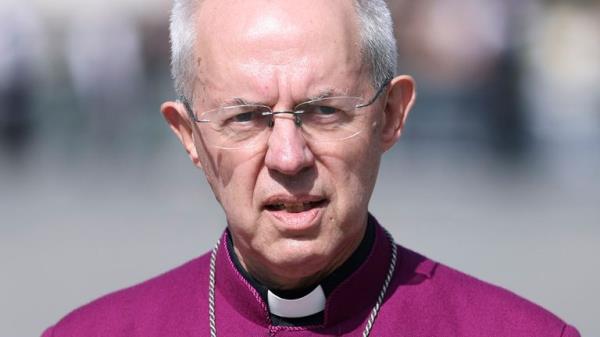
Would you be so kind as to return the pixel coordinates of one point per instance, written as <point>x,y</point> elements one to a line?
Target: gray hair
<point>376,29</point>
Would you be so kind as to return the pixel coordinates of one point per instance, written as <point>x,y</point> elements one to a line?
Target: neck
<point>291,287</point>
<point>278,282</point>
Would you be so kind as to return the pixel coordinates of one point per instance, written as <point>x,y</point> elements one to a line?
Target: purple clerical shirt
<point>425,299</point>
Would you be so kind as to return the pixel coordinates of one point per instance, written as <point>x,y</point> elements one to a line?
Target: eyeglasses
<point>327,119</point>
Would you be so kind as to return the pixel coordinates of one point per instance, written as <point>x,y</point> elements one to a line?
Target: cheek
<point>234,181</point>
<point>354,171</point>
<point>363,175</point>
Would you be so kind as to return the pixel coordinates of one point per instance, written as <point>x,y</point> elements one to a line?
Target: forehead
<point>275,41</point>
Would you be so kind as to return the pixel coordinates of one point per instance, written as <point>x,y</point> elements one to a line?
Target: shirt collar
<point>307,305</point>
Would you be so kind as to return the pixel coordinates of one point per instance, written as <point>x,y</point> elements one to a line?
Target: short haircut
<point>376,28</point>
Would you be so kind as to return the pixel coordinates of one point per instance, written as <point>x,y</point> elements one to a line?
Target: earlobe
<point>401,97</point>
<point>176,116</point>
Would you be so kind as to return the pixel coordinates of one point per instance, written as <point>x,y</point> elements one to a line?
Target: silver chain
<point>372,316</point>
<point>211,290</point>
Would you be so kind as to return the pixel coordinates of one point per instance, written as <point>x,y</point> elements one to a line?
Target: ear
<point>176,116</point>
<point>401,97</point>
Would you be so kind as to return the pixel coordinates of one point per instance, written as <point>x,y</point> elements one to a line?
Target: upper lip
<point>291,199</point>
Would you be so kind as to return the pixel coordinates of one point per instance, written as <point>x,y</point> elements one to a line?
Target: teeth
<point>296,207</point>
<point>292,207</point>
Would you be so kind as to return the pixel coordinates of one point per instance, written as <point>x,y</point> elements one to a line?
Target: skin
<point>281,53</point>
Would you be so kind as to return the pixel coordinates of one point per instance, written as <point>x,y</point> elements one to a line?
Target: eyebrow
<point>324,93</point>
<point>236,101</point>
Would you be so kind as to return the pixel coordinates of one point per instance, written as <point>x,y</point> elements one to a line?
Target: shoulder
<point>137,310</point>
<point>465,304</point>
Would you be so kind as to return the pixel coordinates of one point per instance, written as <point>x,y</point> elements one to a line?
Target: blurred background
<point>497,173</point>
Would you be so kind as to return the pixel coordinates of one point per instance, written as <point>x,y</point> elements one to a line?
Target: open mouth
<point>295,207</point>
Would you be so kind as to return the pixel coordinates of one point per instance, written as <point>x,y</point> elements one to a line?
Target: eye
<point>320,110</point>
<point>245,116</point>
<point>328,112</point>
<point>324,110</point>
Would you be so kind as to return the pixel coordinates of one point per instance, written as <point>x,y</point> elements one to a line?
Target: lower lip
<point>300,221</point>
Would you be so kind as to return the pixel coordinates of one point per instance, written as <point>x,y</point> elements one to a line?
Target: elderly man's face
<point>296,207</point>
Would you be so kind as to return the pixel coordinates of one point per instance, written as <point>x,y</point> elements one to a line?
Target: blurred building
<point>21,45</point>
<point>561,77</point>
<point>463,55</point>
<point>105,62</point>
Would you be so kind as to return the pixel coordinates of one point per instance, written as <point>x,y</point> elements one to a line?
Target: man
<point>287,107</point>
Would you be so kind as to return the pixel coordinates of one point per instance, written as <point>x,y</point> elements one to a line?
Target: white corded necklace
<point>372,316</point>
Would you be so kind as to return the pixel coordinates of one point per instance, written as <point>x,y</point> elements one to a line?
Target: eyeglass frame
<point>295,113</point>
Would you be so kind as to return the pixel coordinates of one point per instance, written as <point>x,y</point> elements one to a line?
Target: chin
<point>303,259</point>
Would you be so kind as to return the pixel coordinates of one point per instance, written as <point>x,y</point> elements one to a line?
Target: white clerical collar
<point>310,304</point>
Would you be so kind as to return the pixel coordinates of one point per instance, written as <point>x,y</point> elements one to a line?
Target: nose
<point>287,150</point>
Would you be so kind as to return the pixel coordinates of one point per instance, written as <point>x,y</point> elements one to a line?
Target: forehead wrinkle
<point>273,38</point>
<point>321,93</point>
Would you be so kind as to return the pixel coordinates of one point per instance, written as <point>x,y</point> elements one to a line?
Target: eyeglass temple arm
<point>379,91</point>
<point>188,108</point>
